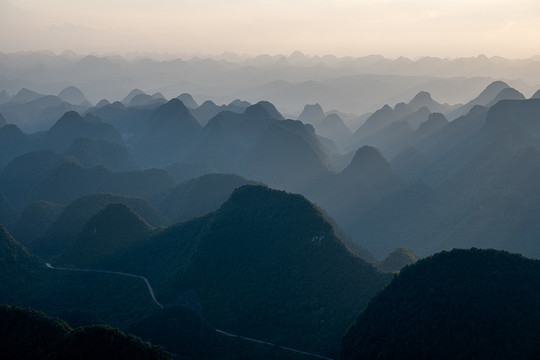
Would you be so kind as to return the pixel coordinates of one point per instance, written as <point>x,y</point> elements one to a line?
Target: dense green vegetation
<point>34,221</point>
<point>111,230</point>
<point>76,215</point>
<point>266,265</point>
<point>27,334</point>
<point>462,304</point>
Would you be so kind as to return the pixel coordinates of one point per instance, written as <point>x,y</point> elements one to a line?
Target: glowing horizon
<point>339,27</point>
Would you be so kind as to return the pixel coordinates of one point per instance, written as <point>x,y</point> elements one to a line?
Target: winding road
<point>151,291</point>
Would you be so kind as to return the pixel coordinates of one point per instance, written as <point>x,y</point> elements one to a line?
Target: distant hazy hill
<point>34,220</point>
<point>467,304</point>
<point>397,259</point>
<point>480,188</point>
<point>199,196</point>
<point>335,129</point>
<point>312,114</point>
<point>348,194</point>
<point>209,109</point>
<point>112,229</point>
<point>18,177</point>
<point>228,136</point>
<point>483,99</point>
<point>130,121</point>
<point>72,126</point>
<point>26,95</point>
<point>68,181</point>
<point>13,142</point>
<point>265,265</point>
<point>171,131</point>
<point>287,155</point>
<point>80,211</point>
<point>188,100</point>
<point>93,152</point>
<point>73,95</point>
<point>28,334</point>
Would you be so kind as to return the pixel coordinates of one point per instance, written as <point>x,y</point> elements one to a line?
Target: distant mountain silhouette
<point>103,102</point>
<point>13,142</point>
<point>25,95</point>
<point>346,195</point>
<point>434,123</point>
<point>93,152</point>
<point>20,175</point>
<point>131,95</point>
<point>536,95</point>
<point>286,155</point>
<point>109,231</point>
<point>401,109</point>
<point>312,114</point>
<point>69,181</point>
<point>34,221</point>
<point>228,136</point>
<point>172,130</point>
<point>72,126</point>
<point>197,197</point>
<point>188,100</point>
<point>263,109</point>
<point>507,94</point>
<point>424,99</point>
<point>130,121</point>
<point>483,99</point>
<point>398,259</point>
<point>183,171</point>
<point>469,309</point>
<point>417,117</point>
<point>334,128</point>
<point>379,120</point>
<point>147,100</point>
<point>209,109</point>
<point>3,120</point>
<point>74,216</point>
<point>481,188</point>
<point>73,95</point>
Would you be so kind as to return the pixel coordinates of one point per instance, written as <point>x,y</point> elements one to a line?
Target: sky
<point>411,28</point>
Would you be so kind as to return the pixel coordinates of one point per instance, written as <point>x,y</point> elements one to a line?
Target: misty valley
<point>233,218</point>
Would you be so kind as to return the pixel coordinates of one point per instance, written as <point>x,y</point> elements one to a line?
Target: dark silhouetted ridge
<point>462,304</point>
<point>32,335</point>
<point>109,231</point>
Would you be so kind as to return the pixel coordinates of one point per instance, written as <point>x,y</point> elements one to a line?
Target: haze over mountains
<point>217,210</point>
<point>351,85</point>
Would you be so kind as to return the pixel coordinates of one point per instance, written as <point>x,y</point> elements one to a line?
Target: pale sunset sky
<point>411,28</point>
